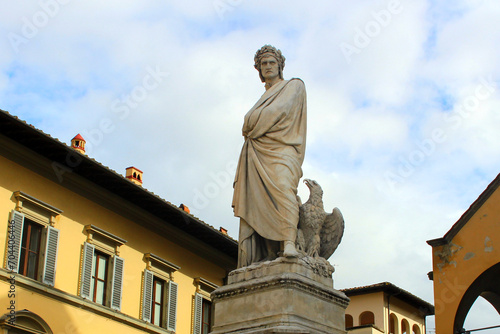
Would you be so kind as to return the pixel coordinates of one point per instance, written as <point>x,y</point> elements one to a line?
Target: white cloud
<point>367,117</point>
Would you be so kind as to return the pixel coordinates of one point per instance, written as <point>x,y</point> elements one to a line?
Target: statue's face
<point>269,68</point>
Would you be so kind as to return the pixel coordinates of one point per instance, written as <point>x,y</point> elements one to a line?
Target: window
<point>349,321</point>
<point>393,324</point>
<point>202,317</point>
<point>159,303</point>
<point>26,323</point>
<point>102,268</point>
<point>367,318</point>
<point>32,247</point>
<point>99,277</point>
<point>206,323</point>
<point>159,292</point>
<point>405,326</point>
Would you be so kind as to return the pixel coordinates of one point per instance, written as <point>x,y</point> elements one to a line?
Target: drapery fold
<point>269,167</point>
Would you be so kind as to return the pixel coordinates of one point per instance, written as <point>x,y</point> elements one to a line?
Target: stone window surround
<point>45,215</point>
<point>103,240</point>
<point>157,267</point>
<point>160,267</point>
<point>24,201</point>
<point>204,287</point>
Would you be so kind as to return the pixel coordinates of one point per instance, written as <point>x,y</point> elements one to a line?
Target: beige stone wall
<point>373,302</point>
<point>378,304</point>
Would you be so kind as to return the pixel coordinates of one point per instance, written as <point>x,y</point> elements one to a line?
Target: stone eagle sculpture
<point>318,233</point>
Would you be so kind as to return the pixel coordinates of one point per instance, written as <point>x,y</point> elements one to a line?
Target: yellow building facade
<point>86,250</point>
<point>466,262</point>
<point>385,308</point>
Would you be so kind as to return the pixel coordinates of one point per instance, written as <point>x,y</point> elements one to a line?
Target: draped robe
<point>269,169</point>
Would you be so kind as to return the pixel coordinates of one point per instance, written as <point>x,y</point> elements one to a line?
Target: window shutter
<point>147,293</point>
<point>172,306</point>
<point>116,290</point>
<point>88,257</point>
<point>14,237</point>
<point>198,310</point>
<point>49,268</point>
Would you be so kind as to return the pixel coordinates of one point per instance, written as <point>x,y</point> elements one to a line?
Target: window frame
<point>24,259</point>
<point>202,296</point>
<point>103,242</point>
<point>168,311</point>
<point>349,321</point>
<point>29,213</point>
<point>366,318</point>
<point>206,302</point>
<point>158,269</point>
<point>26,322</point>
<point>95,279</point>
<point>161,304</point>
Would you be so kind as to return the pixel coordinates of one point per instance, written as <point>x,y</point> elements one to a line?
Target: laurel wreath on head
<point>266,50</point>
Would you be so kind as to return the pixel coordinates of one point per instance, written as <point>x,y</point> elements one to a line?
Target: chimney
<point>134,175</point>
<point>184,207</point>
<point>78,144</point>
<point>223,230</point>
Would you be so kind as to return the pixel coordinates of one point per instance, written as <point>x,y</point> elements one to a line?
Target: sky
<point>403,107</point>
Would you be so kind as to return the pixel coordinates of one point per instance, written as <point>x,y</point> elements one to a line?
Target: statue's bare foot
<point>289,249</point>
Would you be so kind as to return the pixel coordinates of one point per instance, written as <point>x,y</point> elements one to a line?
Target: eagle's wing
<point>331,233</point>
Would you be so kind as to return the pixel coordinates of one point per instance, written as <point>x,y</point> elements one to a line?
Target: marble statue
<point>319,233</point>
<point>283,283</point>
<point>270,164</point>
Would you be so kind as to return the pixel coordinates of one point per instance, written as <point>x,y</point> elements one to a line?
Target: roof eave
<point>88,168</point>
<point>478,203</point>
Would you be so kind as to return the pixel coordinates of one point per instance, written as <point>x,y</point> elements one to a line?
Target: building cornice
<point>79,302</point>
<point>424,307</point>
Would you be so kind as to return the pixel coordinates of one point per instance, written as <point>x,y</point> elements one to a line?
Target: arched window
<point>366,318</point>
<point>416,329</point>
<point>405,327</point>
<point>393,324</point>
<point>26,322</point>
<point>349,321</point>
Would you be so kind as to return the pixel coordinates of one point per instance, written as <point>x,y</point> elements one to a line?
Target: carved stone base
<point>281,296</point>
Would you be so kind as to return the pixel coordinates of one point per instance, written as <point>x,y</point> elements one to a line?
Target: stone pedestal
<point>281,296</point>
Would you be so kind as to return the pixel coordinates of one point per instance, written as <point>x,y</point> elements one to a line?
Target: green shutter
<point>172,306</point>
<point>51,244</point>
<point>88,257</point>
<point>147,294</point>
<point>14,239</point>
<point>116,289</point>
<point>198,311</point>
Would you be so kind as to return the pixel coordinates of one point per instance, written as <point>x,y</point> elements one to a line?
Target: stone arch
<point>415,329</point>
<point>349,321</point>
<point>366,318</point>
<point>393,324</point>
<point>486,286</point>
<point>25,320</point>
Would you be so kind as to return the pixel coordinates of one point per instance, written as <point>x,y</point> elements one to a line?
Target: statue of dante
<point>270,164</point>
